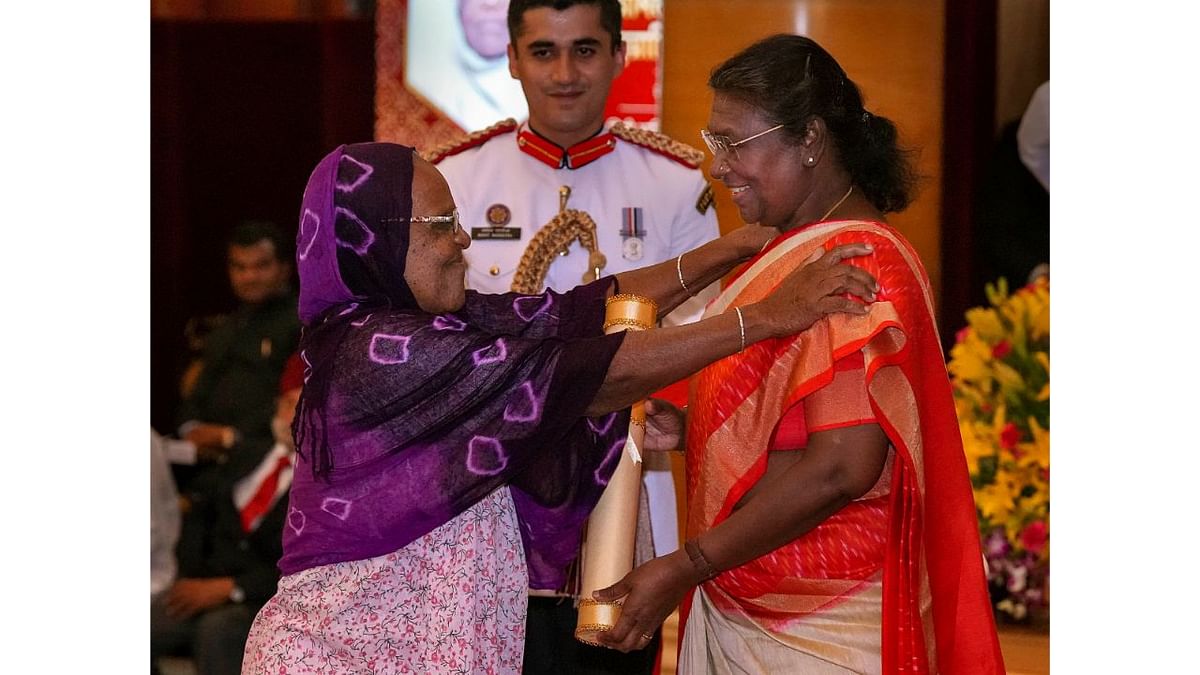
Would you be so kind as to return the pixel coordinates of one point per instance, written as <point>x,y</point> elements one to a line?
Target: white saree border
<point>842,640</point>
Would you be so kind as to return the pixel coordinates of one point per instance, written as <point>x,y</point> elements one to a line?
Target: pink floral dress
<point>454,601</point>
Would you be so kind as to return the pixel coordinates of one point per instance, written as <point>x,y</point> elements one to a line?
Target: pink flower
<point>1002,349</point>
<point>996,544</point>
<point>1010,435</point>
<point>961,335</point>
<point>1034,536</point>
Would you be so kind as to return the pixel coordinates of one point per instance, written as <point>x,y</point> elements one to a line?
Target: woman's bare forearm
<point>698,267</point>
<point>650,360</point>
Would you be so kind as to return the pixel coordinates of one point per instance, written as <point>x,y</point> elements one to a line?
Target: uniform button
<point>495,271</point>
<point>244,545</point>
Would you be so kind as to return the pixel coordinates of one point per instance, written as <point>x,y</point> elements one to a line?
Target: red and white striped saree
<point>894,581</point>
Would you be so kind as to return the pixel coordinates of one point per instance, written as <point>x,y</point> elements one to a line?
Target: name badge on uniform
<point>498,215</point>
<point>633,233</point>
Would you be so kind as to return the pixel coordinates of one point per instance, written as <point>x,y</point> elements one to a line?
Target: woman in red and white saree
<point>890,582</point>
<point>831,525</point>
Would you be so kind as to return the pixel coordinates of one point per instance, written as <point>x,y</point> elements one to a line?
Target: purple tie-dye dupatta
<point>407,419</point>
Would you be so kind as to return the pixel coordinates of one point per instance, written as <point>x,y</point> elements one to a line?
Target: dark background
<point>240,114</point>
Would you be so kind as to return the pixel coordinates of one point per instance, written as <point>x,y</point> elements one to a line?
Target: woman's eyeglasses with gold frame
<point>718,144</point>
<point>447,224</point>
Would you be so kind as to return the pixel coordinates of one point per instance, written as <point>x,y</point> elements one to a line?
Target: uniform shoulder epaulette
<point>469,141</point>
<point>660,143</point>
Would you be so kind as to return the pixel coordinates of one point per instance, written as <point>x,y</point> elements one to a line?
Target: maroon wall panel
<point>970,105</point>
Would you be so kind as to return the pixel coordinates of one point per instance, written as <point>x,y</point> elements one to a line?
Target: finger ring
<point>648,636</point>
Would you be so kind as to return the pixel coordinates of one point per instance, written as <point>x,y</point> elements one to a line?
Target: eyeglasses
<point>448,224</point>
<point>718,144</point>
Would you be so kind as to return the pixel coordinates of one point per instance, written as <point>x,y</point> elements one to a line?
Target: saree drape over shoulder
<point>893,582</point>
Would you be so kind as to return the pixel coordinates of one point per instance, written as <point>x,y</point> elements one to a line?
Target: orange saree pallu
<point>894,581</point>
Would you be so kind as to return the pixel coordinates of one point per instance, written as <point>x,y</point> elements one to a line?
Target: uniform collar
<point>556,157</point>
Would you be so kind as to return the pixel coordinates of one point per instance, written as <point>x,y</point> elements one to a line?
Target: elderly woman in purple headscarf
<point>452,444</point>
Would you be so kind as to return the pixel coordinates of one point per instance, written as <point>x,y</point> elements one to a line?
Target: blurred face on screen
<point>484,23</point>
<point>566,64</point>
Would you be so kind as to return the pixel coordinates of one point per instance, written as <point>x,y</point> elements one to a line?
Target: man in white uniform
<point>644,191</point>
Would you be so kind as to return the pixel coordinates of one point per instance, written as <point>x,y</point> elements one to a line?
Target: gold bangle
<point>631,297</point>
<point>627,309</point>
<point>699,562</point>
<point>741,327</point>
<point>679,272</point>
<point>622,321</point>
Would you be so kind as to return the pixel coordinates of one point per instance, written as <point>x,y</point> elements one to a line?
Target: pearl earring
<point>812,160</point>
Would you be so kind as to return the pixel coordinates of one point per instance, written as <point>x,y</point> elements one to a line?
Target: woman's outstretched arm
<point>698,267</point>
<point>650,360</point>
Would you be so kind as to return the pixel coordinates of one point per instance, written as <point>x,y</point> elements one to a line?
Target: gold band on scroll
<point>595,617</point>
<point>637,416</point>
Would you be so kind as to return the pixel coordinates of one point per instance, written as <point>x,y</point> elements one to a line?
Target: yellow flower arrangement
<point>1000,371</point>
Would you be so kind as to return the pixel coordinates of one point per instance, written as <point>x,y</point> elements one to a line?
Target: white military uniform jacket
<point>650,204</point>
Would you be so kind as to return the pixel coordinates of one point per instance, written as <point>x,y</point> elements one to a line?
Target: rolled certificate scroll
<point>612,528</point>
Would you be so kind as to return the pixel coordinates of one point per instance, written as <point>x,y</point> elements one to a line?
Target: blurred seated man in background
<point>230,544</point>
<point>234,394</point>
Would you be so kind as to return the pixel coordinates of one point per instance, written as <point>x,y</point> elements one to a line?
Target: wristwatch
<point>237,595</point>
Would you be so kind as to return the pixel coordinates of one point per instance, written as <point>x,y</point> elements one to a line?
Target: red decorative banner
<point>637,94</point>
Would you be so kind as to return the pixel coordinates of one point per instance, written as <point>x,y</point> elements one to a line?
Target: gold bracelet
<point>627,309</point>
<point>622,321</point>
<point>741,327</point>
<point>679,272</point>
<point>631,297</point>
<point>705,568</point>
